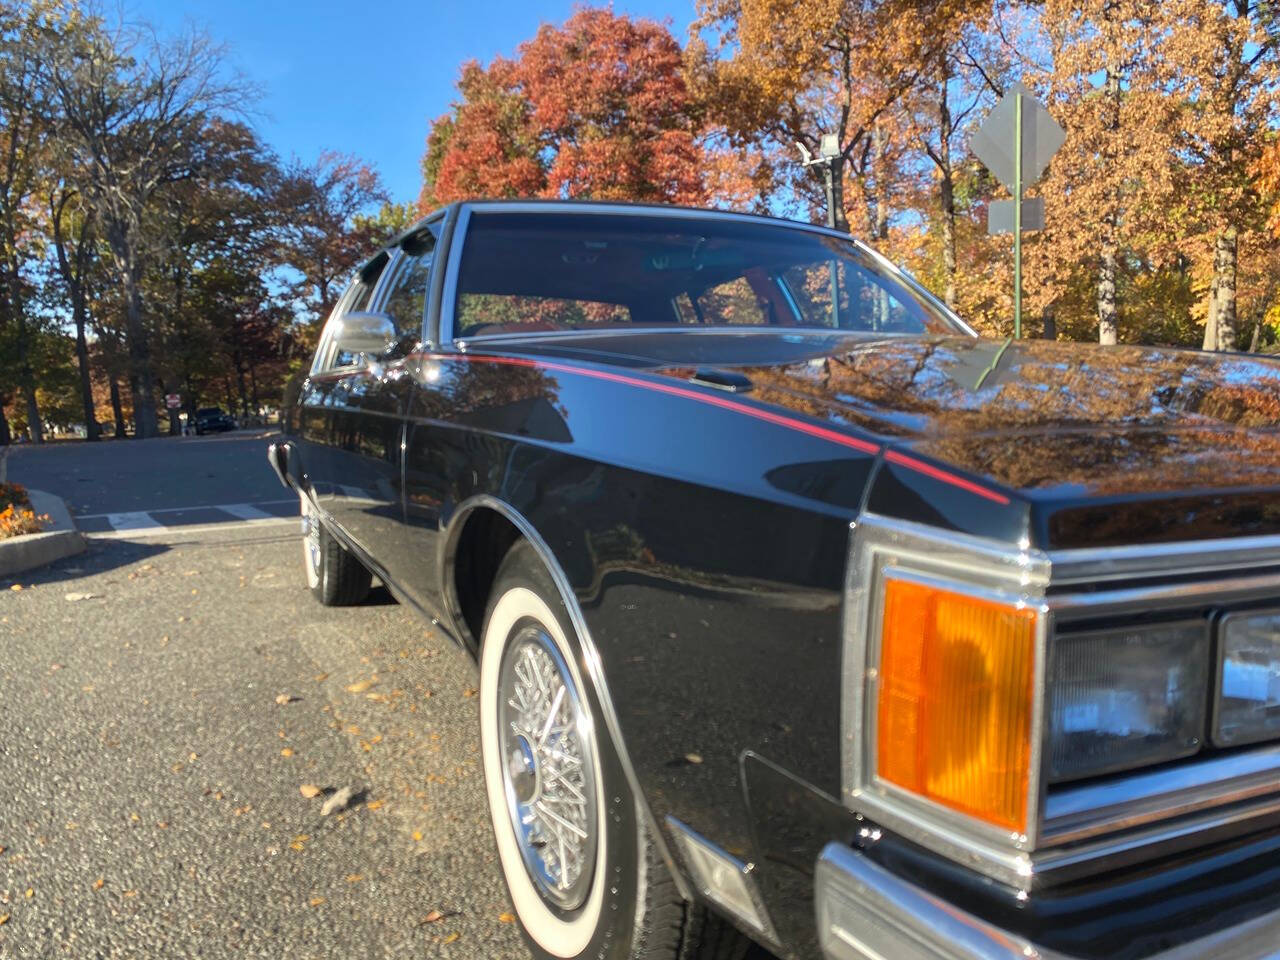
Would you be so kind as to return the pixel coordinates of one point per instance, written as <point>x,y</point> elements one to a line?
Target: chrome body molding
<point>1073,829</point>
<point>590,654</point>
<point>864,912</point>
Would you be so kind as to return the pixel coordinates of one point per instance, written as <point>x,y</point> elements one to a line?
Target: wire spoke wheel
<point>547,767</point>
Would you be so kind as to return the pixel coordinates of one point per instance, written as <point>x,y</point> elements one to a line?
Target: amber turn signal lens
<point>954,716</point>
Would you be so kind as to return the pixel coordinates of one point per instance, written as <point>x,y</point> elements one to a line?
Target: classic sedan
<point>803,615</point>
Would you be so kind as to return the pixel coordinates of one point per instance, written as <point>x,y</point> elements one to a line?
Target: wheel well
<point>483,542</point>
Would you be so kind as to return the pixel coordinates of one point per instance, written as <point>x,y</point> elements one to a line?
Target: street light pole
<point>828,153</point>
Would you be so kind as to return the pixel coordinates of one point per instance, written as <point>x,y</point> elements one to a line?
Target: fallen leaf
<point>320,677</point>
<point>354,878</point>
<point>374,804</point>
<point>693,757</point>
<point>316,901</point>
<point>435,916</point>
<point>417,836</point>
<point>97,884</point>
<point>506,918</point>
<point>451,937</point>
<point>30,893</point>
<point>4,918</point>
<point>470,692</point>
<point>337,802</point>
<point>131,893</point>
<point>16,586</point>
<point>360,687</point>
<point>283,698</point>
<point>76,597</point>
<point>287,752</point>
<point>309,790</point>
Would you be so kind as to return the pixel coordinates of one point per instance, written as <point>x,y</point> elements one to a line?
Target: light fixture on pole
<point>828,152</point>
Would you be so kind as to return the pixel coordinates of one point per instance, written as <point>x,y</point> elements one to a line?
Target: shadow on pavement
<point>100,557</point>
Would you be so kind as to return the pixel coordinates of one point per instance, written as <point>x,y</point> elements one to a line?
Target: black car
<point>802,614</point>
<point>213,420</point>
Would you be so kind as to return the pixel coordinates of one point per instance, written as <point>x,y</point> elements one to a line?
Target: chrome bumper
<point>864,912</point>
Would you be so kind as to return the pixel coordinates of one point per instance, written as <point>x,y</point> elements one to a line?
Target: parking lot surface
<point>168,695</point>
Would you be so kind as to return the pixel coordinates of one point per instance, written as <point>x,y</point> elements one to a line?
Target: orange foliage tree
<point>597,107</point>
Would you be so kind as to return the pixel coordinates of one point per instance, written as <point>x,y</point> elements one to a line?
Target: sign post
<point>1016,142</point>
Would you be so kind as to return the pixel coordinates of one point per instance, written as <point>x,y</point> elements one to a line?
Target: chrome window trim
<point>448,303</point>
<point>1126,818</point>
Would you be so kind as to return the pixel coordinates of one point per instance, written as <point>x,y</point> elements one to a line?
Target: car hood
<point>1050,420</point>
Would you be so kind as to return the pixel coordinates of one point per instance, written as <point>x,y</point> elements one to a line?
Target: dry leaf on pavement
<point>309,790</point>
<point>75,597</point>
<point>360,687</point>
<point>337,802</point>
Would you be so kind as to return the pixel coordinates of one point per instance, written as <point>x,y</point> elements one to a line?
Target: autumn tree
<point>320,234</point>
<point>1229,55</point>
<point>26,41</point>
<point>838,67</point>
<point>131,113</point>
<point>597,107</point>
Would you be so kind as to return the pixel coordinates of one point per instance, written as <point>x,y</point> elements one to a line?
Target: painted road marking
<point>139,520</point>
<point>246,511</point>
<point>225,507</point>
<point>271,523</point>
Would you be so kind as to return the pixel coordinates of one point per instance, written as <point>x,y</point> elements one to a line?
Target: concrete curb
<point>60,539</point>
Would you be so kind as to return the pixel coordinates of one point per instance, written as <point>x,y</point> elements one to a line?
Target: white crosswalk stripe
<point>132,521</point>
<point>246,511</point>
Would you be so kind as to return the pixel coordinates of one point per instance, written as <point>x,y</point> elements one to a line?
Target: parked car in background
<point>802,614</point>
<point>213,420</point>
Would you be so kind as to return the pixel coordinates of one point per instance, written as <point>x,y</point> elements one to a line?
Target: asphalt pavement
<point>166,697</point>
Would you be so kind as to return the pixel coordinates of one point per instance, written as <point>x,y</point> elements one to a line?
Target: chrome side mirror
<point>369,333</point>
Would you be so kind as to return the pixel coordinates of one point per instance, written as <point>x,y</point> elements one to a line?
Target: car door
<point>322,397</point>
<point>370,408</point>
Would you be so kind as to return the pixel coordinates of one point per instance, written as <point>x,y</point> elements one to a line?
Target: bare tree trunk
<point>947,188</point>
<point>86,385</point>
<point>117,409</point>
<point>144,400</point>
<point>1106,291</point>
<point>27,381</point>
<point>5,436</point>
<point>1220,323</point>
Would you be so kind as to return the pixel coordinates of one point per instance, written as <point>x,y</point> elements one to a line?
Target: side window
<point>406,300</point>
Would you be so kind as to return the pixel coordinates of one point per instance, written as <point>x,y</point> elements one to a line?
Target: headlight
<point>1126,698</point>
<point>1248,708</point>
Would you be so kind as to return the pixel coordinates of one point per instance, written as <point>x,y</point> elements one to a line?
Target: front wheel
<point>576,854</point>
<point>335,576</point>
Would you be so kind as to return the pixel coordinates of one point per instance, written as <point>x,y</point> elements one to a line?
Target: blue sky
<point>368,78</point>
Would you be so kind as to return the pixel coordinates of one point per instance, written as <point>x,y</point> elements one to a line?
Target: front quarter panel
<point>705,547</point>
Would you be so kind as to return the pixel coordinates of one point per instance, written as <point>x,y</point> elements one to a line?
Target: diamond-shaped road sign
<point>992,142</point>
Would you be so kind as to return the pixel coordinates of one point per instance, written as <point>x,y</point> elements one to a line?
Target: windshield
<point>527,272</point>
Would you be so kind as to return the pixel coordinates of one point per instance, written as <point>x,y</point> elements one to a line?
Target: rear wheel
<point>581,867</point>
<point>335,576</point>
